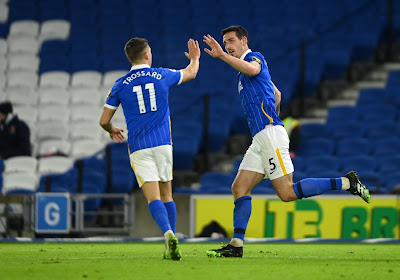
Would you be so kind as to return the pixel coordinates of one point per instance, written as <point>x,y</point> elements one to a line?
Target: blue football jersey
<point>257,95</point>
<point>143,95</point>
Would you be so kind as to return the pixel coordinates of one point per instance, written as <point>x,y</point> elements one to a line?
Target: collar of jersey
<point>139,66</point>
<point>245,53</point>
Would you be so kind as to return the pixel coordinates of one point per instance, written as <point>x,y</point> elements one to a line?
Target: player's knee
<point>286,196</point>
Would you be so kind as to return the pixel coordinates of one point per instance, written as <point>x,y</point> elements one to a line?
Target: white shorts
<point>268,154</point>
<point>152,164</point>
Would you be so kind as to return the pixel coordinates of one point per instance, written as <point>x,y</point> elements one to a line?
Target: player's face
<point>233,45</point>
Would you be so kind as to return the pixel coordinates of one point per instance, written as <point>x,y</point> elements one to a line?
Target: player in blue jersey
<point>268,155</point>
<point>143,95</point>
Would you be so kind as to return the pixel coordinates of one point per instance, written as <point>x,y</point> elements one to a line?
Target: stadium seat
<point>51,147</point>
<point>348,129</point>
<point>54,29</point>
<point>54,164</point>
<point>85,96</point>
<point>318,163</point>
<point>22,28</point>
<point>24,164</point>
<point>371,96</point>
<point>316,146</point>
<point>22,79</point>
<point>90,79</point>
<point>53,96</point>
<point>84,148</point>
<point>359,163</point>
<point>216,179</point>
<point>386,147</point>
<point>87,112</point>
<point>298,176</point>
<point>375,111</point>
<point>312,130</point>
<point>110,77</point>
<point>341,113</point>
<point>64,182</point>
<point>391,182</point>
<point>19,183</point>
<point>55,79</point>
<point>388,164</point>
<point>379,129</point>
<point>53,112</point>
<point>47,130</point>
<point>27,113</point>
<point>19,45</point>
<point>23,62</point>
<point>352,147</point>
<point>85,130</point>
<point>22,95</point>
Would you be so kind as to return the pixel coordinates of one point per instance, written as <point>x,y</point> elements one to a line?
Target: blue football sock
<point>241,216</point>
<point>312,186</point>
<point>160,215</point>
<point>171,209</point>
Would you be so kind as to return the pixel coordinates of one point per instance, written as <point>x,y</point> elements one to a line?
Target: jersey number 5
<point>152,94</point>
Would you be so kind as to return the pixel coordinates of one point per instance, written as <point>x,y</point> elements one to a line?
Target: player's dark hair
<point>240,31</point>
<point>134,48</point>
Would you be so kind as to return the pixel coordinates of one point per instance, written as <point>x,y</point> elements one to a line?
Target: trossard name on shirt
<point>142,73</point>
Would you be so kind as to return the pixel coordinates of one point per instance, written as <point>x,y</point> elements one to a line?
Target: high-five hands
<point>193,48</point>
<point>216,49</point>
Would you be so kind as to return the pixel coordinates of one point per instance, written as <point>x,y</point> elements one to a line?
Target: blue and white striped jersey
<point>143,95</point>
<point>257,95</point>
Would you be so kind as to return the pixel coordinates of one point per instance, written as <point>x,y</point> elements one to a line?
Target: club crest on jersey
<point>240,87</point>
<point>256,59</point>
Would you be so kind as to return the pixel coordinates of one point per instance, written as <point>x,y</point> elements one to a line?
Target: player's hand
<point>117,135</point>
<point>194,49</point>
<point>216,49</point>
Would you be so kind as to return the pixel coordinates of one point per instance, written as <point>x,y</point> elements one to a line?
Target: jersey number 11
<point>152,94</point>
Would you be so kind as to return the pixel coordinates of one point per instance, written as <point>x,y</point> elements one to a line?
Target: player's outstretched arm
<point>247,68</point>
<point>116,133</point>
<point>193,54</point>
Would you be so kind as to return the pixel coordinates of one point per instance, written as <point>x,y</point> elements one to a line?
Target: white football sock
<point>237,242</point>
<point>345,183</point>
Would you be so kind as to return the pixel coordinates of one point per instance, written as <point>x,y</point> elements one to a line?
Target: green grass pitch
<point>143,261</point>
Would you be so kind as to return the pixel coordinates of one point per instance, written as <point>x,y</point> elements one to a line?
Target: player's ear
<point>244,40</point>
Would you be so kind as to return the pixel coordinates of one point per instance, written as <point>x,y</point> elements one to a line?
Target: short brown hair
<point>240,31</point>
<point>135,47</point>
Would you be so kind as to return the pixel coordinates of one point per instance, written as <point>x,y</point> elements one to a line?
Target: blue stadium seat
<point>316,146</point>
<point>66,182</point>
<point>216,178</point>
<point>375,112</point>
<point>348,129</point>
<point>298,176</point>
<point>386,147</point>
<point>299,163</point>
<point>352,146</point>
<point>392,95</point>
<point>389,164</point>
<point>359,163</point>
<point>371,96</point>
<point>381,129</point>
<point>341,113</point>
<point>312,130</point>
<point>185,148</point>
<point>321,162</point>
<point>390,182</point>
